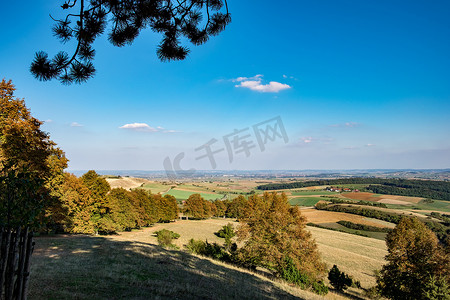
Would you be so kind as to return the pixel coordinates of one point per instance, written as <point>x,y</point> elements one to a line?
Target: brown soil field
<point>316,187</point>
<point>361,196</point>
<point>389,199</point>
<point>323,216</point>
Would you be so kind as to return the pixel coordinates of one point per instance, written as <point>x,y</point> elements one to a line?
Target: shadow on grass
<point>86,267</point>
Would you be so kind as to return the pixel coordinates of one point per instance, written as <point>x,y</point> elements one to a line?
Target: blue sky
<point>356,84</point>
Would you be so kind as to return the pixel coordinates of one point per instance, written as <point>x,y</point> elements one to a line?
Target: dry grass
<point>131,266</point>
<point>356,255</point>
<point>393,201</point>
<point>316,187</point>
<point>126,182</point>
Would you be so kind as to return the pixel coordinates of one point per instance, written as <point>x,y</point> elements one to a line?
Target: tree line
<point>89,205</point>
<point>439,190</point>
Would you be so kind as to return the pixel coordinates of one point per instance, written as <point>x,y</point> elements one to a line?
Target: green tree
<point>122,212</point>
<point>414,256</point>
<point>127,18</point>
<point>227,232</point>
<point>339,280</point>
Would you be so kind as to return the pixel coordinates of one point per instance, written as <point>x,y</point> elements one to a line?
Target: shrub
<point>165,237</point>
<point>227,232</point>
<point>319,288</point>
<point>339,280</point>
<point>292,274</point>
<point>196,246</point>
<point>207,249</point>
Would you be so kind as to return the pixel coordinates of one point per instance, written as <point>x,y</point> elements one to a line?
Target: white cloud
<point>315,140</point>
<point>347,125</point>
<point>143,127</point>
<point>75,124</point>
<point>370,145</point>
<point>255,84</point>
<point>138,127</point>
<point>48,121</point>
<point>307,140</point>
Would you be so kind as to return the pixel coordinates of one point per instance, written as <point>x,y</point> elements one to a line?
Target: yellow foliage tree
<point>274,235</point>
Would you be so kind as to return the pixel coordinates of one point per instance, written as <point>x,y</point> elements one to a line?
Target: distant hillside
<point>439,190</point>
<point>126,182</point>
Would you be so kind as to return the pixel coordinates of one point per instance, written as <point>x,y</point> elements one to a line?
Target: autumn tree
<point>167,207</point>
<point>197,207</point>
<point>193,20</point>
<point>221,208</point>
<point>122,212</point>
<point>273,234</point>
<point>142,201</point>
<point>417,264</point>
<point>80,206</point>
<point>236,207</point>
<point>28,162</point>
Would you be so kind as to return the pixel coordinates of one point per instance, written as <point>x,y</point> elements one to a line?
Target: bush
<point>320,288</point>
<point>207,249</point>
<point>227,232</point>
<point>339,280</point>
<point>196,246</point>
<point>292,274</point>
<point>373,293</point>
<point>165,238</point>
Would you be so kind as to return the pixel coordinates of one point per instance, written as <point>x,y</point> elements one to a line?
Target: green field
<point>304,201</point>
<point>371,234</point>
<point>183,195</point>
<point>437,205</point>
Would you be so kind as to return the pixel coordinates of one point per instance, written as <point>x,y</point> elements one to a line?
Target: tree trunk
<point>16,247</point>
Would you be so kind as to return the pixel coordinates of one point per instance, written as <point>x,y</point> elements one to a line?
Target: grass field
<point>156,187</point>
<point>376,235</point>
<point>304,201</point>
<point>356,255</point>
<point>131,266</point>
<point>183,195</point>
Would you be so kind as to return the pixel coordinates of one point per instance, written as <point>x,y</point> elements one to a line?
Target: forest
<point>439,190</point>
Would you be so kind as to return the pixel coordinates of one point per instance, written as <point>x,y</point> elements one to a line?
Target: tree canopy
<point>29,162</point>
<point>417,264</point>
<point>274,234</point>
<point>88,19</point>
